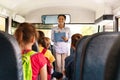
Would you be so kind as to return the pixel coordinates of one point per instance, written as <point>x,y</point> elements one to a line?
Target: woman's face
<point>61,20</point>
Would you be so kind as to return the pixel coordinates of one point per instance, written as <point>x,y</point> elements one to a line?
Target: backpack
<point>26,64</point>
<point>49,67</point>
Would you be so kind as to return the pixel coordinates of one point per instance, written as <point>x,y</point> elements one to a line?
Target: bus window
<point>2,23</point>
<point>84,29</point>
<point>52,19</point>
<point>14,26</point>
<point>106,26</point>
<point>119,23</point>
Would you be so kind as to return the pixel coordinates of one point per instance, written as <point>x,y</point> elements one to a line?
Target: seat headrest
<point>10,58</point>
<point>112,68</point>
<point>97,56</point>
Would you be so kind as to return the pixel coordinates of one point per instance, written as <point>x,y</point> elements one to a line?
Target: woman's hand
<point>65,39</point>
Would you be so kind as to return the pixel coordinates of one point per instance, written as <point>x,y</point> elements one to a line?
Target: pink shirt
<point>37,62</point>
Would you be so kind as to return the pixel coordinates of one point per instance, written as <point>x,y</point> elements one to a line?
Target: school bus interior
<point>98,52</point>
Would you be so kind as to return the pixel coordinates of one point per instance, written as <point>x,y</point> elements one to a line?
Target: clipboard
<point>58,36</point>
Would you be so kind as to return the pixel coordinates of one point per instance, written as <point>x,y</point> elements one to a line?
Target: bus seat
<point>112,69</point>
<point>79,46</point>
<point>95,55</point>
<point>10,58</point>
<point>35,47</point>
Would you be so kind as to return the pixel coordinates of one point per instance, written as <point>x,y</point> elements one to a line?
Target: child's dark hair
<point>45,42</point>
<point>41,35</point>
<point>75,38</point>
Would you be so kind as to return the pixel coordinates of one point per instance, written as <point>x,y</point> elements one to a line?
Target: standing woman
<point>61,35</point>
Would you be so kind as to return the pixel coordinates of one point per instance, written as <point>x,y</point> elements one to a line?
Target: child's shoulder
<point>49,51</point>
<point>38,55</point>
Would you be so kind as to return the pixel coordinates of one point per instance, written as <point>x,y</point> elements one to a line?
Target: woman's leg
<point>58,62</point>
<point>63,61</point>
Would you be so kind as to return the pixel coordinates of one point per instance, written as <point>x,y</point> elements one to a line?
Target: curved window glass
<point>52,19</point>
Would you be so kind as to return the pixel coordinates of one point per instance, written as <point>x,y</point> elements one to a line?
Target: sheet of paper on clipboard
<point>58,36</point>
